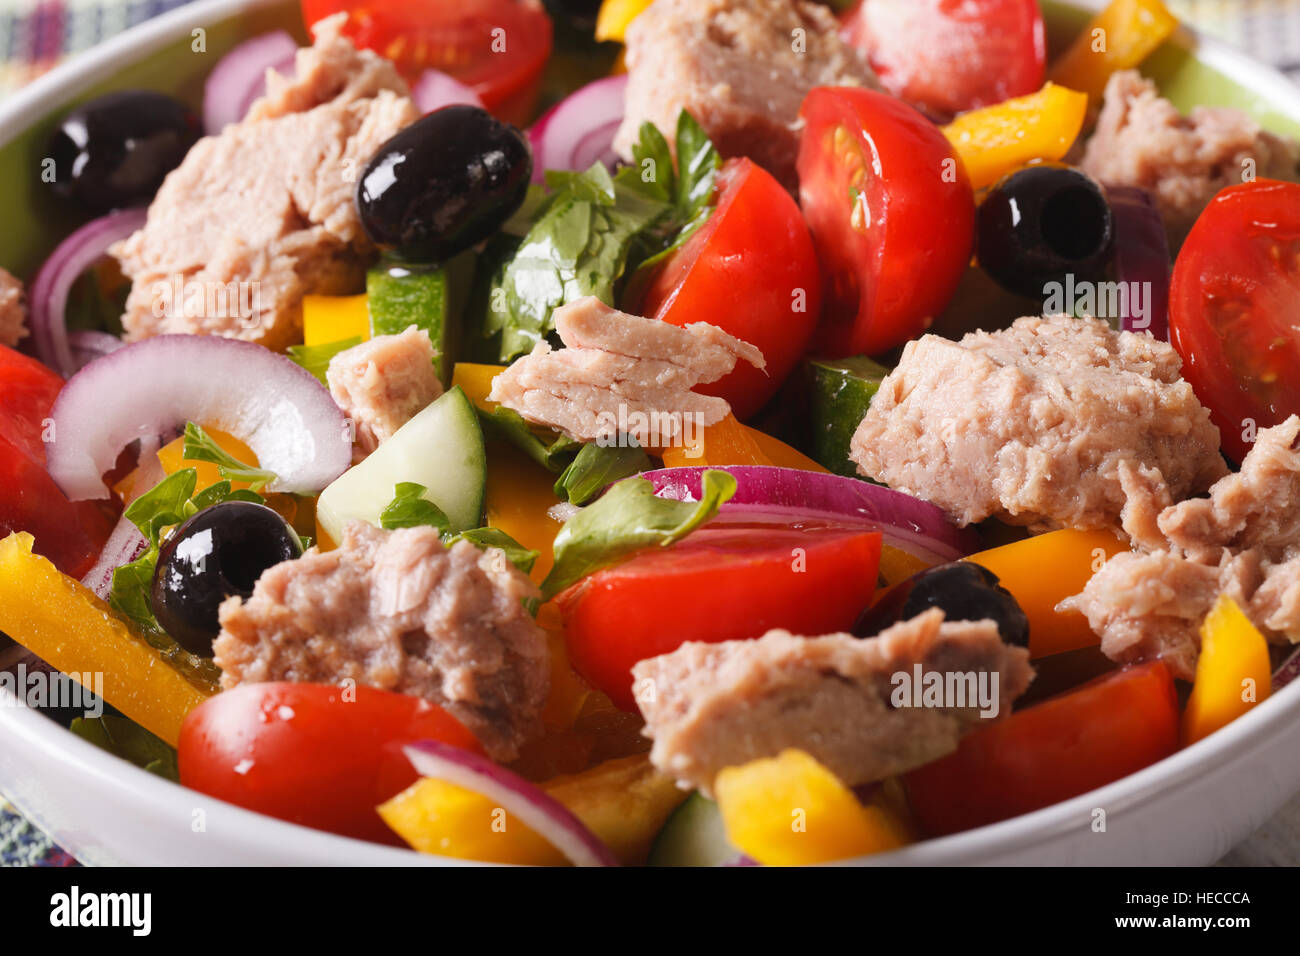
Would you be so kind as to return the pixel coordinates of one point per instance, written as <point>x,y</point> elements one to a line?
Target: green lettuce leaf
<point>199,446</point>
<point>597,466</point>
<point>316,358</point>
<point>409,510</point>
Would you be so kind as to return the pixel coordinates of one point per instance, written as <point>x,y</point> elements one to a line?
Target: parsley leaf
<point>409,509</point>
<point>625,519</point>
<point>316,358</point>
<point>521,557</point>
<point>200,446</point>
<point>597,466</point>
<point>506,424</point>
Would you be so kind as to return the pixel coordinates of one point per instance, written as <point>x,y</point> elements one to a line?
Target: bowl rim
<point>161,798</point>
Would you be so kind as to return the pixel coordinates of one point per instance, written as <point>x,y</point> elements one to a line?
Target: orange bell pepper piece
<point>1233,673</point>
<point>172,458</point>
<point>520,493</point>
<point>782,455</point>
<point>332,318</point>
<point>999,139</point>
<point>789,810</point>
<point>1119,38</point>
<point>1044,570</point>
<point>727,442</point>
<point>69,627</point>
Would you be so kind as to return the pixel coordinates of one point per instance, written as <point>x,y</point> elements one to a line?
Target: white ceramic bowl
<point>1188,809</point>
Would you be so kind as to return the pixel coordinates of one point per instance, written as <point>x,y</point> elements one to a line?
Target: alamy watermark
<point>183,298</point>
<point>1102,300</point>
<point>652,429</point>
<point>39,688</point>
<point>948,690</point>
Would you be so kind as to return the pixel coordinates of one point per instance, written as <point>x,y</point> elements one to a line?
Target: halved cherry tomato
<point>947,56</point>
<point>1234,309</point>
<point>751,271</point>
<point>1060,748</point>
<point>727,581</point>
<point>71,534</point>
<point>313,754</point>
<point>891,212</point>
<point>499,48</point>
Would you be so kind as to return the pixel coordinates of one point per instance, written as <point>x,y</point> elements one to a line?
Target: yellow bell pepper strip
<point>476,381</point>
<point>66,625</point>
<point>1044,570</point>
<point>519,495</point>
<point>726,443</point>
<point>624,802</point>
<point>172,458</point>
<point>615,15</point>
<point>1232,673</point>
<point>332,318</point>
<point>999,139</point>
<point>1119,38</point>
<point>782,455</point>
<point>789,810</point>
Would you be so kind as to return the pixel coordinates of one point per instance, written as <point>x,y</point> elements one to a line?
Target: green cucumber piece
<point>440,448</point>
<point>429,297</point>
<point>839,394</point>
<point>693,836</point>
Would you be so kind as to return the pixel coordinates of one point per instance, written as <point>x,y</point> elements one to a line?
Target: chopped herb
<point>409,509</point>
<point>316,358</point>
<point>200,446</point>
<point>625,519</point>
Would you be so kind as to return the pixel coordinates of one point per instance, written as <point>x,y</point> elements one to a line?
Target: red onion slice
<point>533,807</point>
<point>579,129</point>
<point>239,77</point>
<point>88,345</point>
<point>152,388</point>
<point>908,523</point>
<point>435,89</point>
<point>49,292</point>
<point>123,546</point>
<point>1141,259</point>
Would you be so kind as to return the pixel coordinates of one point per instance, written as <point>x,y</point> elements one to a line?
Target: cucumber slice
<point>839,394</point>
<point>440,448</point>
<point>693,836</point>
<point>429,297</point>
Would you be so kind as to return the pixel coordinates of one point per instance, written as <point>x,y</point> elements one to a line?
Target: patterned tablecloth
<point>36,34</point>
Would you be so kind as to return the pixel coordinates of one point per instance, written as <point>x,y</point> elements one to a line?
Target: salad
<point>606,433</point>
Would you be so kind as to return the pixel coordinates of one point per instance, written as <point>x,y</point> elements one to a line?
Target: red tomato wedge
<point>71,534</point>
<point>750,270</point>
<point>949,56</point>
<point>891,213</point>
<point>499,48</point>
<point>1234,309</point>
<point>726,581</point>
<point>313,754</point>
<point>1060,748</point>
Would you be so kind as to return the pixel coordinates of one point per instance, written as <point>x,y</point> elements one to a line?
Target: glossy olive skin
<point>220,552</point>
<point>444,183</point>
<point>115,151</point>
<point>1041,223</point>
<point>962,590</point>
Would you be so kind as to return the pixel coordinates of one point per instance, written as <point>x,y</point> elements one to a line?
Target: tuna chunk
<point>13,310</point>
<point>721,705</point>
<point>381,384</point>
<point>1142,140</point>
<point>1030,424</point>
<point>1242,541</point>
<point>399,611</point>
<point>741,68</point>
<point>263,213</point>
<point>622,374</point>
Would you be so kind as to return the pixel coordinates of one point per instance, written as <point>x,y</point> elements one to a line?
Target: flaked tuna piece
<point>710,706</point>
<point>1142,140</point>
<point>621,373</point>
<point>13,310</point>
<point>741,68</point>
<point>264,212</point>
<point>382,383</point>
<point>399,611</point>
<point>1030,424</point>
<point>1242,541</point>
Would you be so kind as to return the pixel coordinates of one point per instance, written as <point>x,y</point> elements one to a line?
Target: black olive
<point>1041,223</point>
<point>115,151</point>
<point>444,183</point>
<point>962,590</point>
<point>220,552</point>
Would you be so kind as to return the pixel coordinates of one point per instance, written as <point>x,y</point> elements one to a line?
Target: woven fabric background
<point>35,35</point>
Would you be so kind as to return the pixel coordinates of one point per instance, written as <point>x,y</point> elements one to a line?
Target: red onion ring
<point>532,806</point>
<point>123,546</point>
<point>152,388</point>
<point>239,77</point>
<point>88,345</point>
<point>435,89</point>
<point>579,129</point>
<point>49,292</point>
